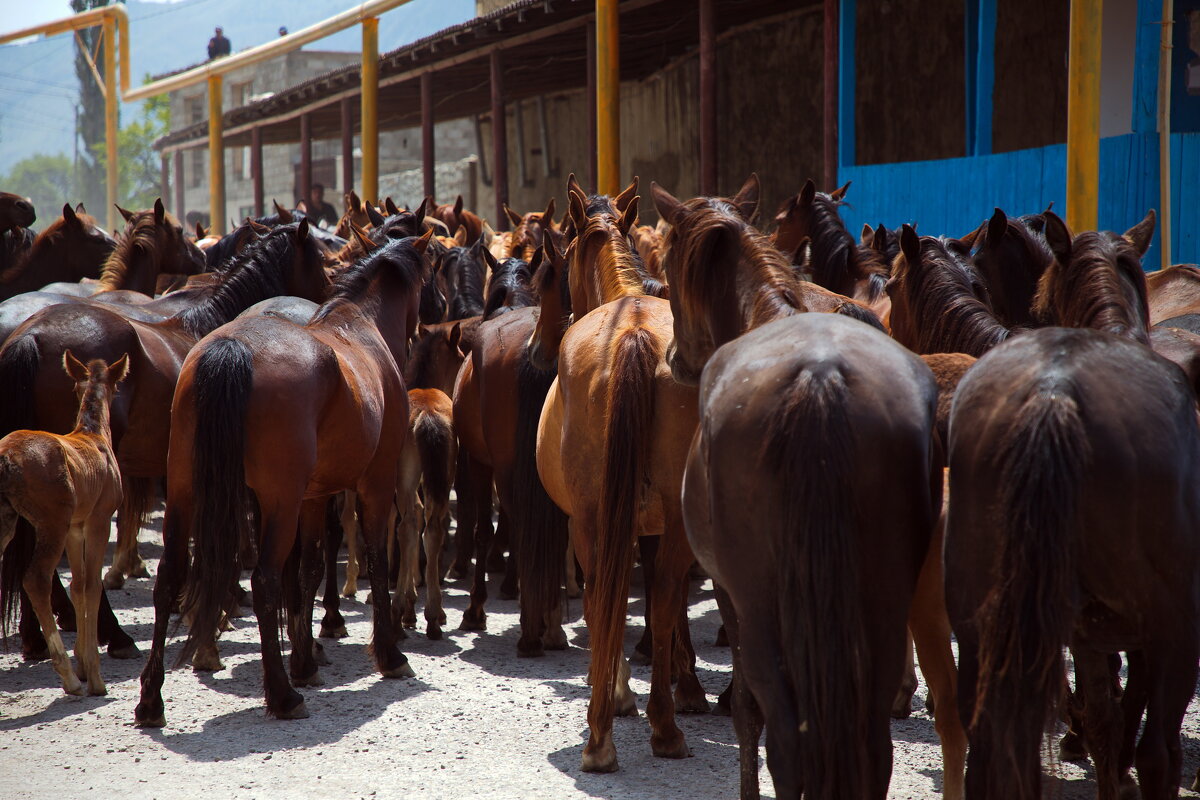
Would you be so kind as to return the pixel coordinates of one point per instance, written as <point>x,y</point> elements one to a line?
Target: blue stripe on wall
<point>953,196</point>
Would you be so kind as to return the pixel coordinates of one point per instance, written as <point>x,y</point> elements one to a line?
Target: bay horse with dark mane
<point>799,413</point>
<point>293,415</point>
<point>71,248</point>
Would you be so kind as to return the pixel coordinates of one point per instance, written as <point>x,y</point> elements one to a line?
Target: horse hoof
<point>456,573</point>
<point>721,708</point>
<point>1128,788</point>
<point>319,655</point>
<point>555,639</point>
<point>97,689</point>
<point>346,595</point>
<point>902,711</point>
<point>75,687</point>
<point>434,632</point>
<point>639,658</point>
<point>574,592</point>
<point>530,649</point>
<point>140,570</point>
<point>1072,747</point>
<point>35,654</point>
<point>405,670</point>
<point>331,632</point>
<point>67,624</point>
<point>140,719</point>
<point>673,747</point>
<point>203,663</point>
<point>690,705</point>
<point>124,652</point>
<point>299,711</point>
<point>314,679</point>
<point>722,638</point>
<point>602,760</point>
<point>473,623</point>
<point>625,706</point>
<point>113,579</point>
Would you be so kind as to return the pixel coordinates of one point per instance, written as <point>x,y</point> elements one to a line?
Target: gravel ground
<point>476,721</point>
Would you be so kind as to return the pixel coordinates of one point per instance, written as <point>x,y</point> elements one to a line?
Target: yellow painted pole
<point>110,118</point>
<point>216,157</point>
<point>1083,115</point>
<point>370,109</point>
<point>608,98</point>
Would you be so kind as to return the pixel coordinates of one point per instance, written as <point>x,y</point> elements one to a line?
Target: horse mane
<point>1013,266</point>
<point>420,362</point>
<point>257,273</point>
<point>15,245</point>
<point>837,261</point>
<point>877,268</point>
<point>509,288</point>
<point>712,253</point>
<point>353,284</point>
<point>944,299</point>
<point>139,237</point>
<point>467,281</point>
<point>1088,291</point>
<point>227,246</point>
<point>618,271</point>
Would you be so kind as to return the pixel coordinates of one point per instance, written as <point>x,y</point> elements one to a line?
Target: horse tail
<point>1025,621</point>
<point>221,385</point>
<point>861,313</point>
<point>631,412</point>
<point>19,361</point>
<point>819,600</point>
<point>542,525</point>
<point>17,541</point>
<point>433,436</point>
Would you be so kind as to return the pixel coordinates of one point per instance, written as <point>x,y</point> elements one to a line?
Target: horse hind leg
<point>333,624</point>
<point>127,560</point>
<point>36,582</point>
<point>1102,721</point>
<point>669,596</point>
<point>350,530</point>
<point>95,539</point>
<point>1170,680</point>
<point>902,705</point>
<point>435,535</point>
<point>303,663</point>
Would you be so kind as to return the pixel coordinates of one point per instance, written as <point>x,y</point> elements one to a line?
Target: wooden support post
<point>256,171</point>
<point>831,86</point>
<point>708,99</point>
<point>164,181</point>
<point>179,211</point>
<point>591,101</point>
<point>499,142</point>
<point>608,97</point>
<point>347,147</point>
<point>306,178</point>
<point>370,109</point>
<point>111,101</point>
<point>216,157</point>
<point>1083,115</point>
<point>428,158</point>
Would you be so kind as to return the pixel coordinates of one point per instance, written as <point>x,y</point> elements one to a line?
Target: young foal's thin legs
<point>47,552</point>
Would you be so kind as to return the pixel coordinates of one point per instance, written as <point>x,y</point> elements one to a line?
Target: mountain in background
<point>38,88</point>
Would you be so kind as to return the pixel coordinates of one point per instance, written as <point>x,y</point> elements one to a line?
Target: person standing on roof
<point>218,45</point>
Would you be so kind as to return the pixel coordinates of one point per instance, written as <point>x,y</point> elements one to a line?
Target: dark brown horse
<point>1012,255</point>
<point>69,249</point>
<point>814,585</point>
<point>294,415</point>
<point>15,212</point>
<point>1088,443</point>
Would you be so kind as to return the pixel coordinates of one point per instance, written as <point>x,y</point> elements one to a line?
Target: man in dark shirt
<point>317,209</point>
<point>218,45</point>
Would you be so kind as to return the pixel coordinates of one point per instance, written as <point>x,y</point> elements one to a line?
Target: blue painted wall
<point>952,196</point>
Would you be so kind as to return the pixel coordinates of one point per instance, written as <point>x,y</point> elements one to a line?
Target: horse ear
<point>458,207</point>
<point>969,240</point>
<point>997,226</point>
<point>808,193</point>
<point>576,208</point>
<point>746,199</point>
<point>454,337</point>
<point>200,231</point>
<point>839,193</point>
<point>69,215</point>
<point>626,197</point>
<point>629,215</point>
<point>536,261</point>
<point>573,186</point>
<point>364,241</point>
<point>880,240</point>
<point>667,205</point>
<point>160,211</point>
<point>74,367</point>
<point>513,216</point>
<point>117,371</point>
<point>1140,235</point>
<point>390,207</point>
<point>258,227</point>
<point>548,214</point>
<point>460,236</point>
<point>373,215</point>
<point>355,202</point>
<point>126,213</point>
<point>910,244</point>
<point>79,209</point>
<point>422,241</point>
<point>423,209</point>
<point>422,330</point>
<point>489,260</point>
<point>1059,237</point>
<point>552,256</point>
<point>867,237</point>
<point>302,231</point>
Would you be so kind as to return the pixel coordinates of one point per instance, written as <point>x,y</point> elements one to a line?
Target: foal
<point>68,488</point>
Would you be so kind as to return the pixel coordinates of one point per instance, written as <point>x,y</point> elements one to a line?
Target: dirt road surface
<point>476,721</point>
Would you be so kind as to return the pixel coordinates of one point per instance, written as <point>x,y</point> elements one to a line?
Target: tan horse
<point>68,488</point>
<point>612,442</point>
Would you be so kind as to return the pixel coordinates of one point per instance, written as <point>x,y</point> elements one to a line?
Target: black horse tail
<point>221,384</point>
<point>627,434</point>
<point>17,541</point>
<point>862,314</point>
<point>820,604</point>
<point>541,525</point>
<point>19,360</point>
<point>433,436</point>
<point>1025,622</point>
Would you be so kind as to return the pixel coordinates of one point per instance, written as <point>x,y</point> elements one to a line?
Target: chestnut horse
<point>611,446</point>
<point>1089,443</point>
<point>294,415</point>
<point>68,250</point>
<point>67,488</point>
<point>817,628</point>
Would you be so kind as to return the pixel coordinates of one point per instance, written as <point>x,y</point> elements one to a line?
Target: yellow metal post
<point>216,157</point>
<point>370,109</point>
<point>110,118</point>
<point>1083,115</point>
<point>608,98</point>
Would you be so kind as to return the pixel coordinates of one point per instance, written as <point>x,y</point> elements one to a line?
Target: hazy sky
<point>20,14</point>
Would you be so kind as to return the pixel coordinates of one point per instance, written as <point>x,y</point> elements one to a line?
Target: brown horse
<point>1088,442</point>
<point>455,217</point>
<point>15,212</point>
<point>1012,256</point>
<point>817,627</point>
<point>611,445</point>
<point>68,250</point>
<point>528,230</point>
<point>293,414</point>
<point>1173,292</point>
<point>66,488</point>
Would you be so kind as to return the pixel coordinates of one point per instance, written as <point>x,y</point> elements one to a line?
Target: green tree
<point>91,113</point>
<point>139,176</point>
<point>46,180</point>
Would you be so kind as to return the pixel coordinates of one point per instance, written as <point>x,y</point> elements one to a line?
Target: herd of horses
<point>869,444</point>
